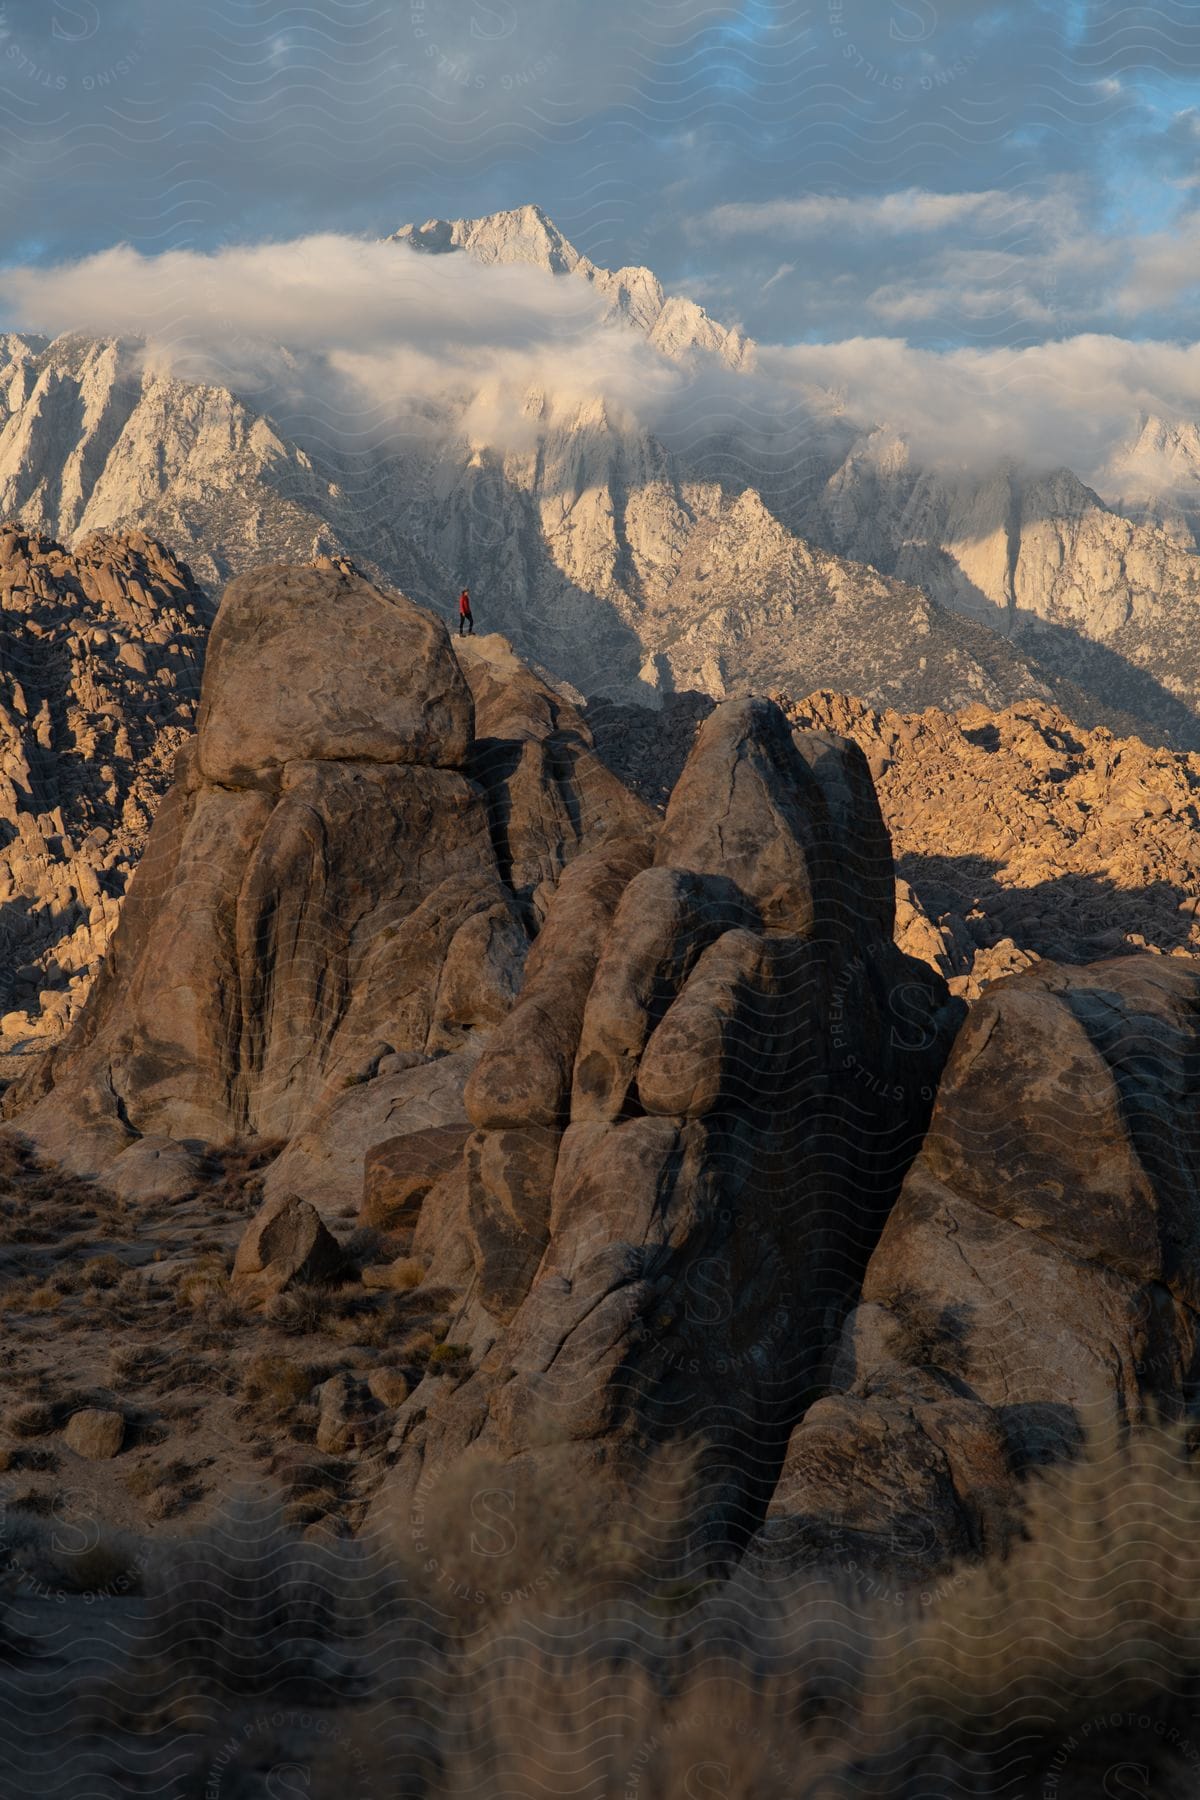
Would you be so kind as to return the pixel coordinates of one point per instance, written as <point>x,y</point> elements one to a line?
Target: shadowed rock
<point>400,1172</point>
<point>549,795</point>
<point>743,1063</point>
<point>285,1243</point>
<point>1038,1273</point>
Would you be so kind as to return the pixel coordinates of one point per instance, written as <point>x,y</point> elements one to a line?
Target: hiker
<point>466,623</point>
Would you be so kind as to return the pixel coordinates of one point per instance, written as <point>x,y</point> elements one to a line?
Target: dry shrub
<point>203,1280</point>
<point>488,1538</point>
<point>133,1364</point>
<point>406,1272</point>
<point>102,1271</point>
<point>301,1311</point>
<point>42,1299</point>
<point>1095,1615</point>
<point>31,1418</point>
<point>243,1607</point>
<point>525,1644</point>
<point>237,1173</point>
<point>1005,1683</point>
<point>277,1382</point>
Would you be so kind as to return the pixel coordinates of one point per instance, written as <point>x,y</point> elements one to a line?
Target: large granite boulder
<point>318,665</point>
<point>322,935</point>
<point>690,1130</point>
<point>319,894</point>
<point>286,1243</point>
<point>1039,1274</point>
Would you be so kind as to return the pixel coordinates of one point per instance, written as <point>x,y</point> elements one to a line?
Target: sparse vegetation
<point>513,1642</point>
<point>277,1382</point>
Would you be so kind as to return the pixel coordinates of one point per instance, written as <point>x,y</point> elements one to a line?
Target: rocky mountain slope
<point>628,567</point>
<point>588,550</point>
<point>1106,601</point>
<point>1090,595</point>
<point>1018,836</point>
<point>577,1125</point>
<point>100,659</point>
<point>98,434</point>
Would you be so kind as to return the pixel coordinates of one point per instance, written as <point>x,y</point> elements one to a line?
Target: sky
<point>997,191</point>
<point>947,171</point>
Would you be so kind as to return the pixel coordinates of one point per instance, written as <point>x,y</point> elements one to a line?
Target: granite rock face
<point>284,1244</point>
<point>641,1092</point>
<point>283,687</point>
<point>549,794</point>
<point>725,1066</point>
<point>289,915</point>
<point>321,936</point>
<point>1039,1272</point>
<point>658,1104</point>
<point>1018,835</point>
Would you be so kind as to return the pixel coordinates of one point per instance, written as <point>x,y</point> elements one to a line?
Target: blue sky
<point>960,175</point>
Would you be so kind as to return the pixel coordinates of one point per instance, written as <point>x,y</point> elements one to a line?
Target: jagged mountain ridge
<point>1039,558</point>
<point>628,567</point>
<point>674,325</point>
<point>592,551</point>
<point>1085,586</point>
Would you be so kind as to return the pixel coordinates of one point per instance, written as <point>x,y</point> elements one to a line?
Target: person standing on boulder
<point>466,622</point>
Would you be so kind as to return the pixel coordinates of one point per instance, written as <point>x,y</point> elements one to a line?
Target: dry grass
<point>528,1647</point>
<point>31,1418</point>
<point>277,1383</point>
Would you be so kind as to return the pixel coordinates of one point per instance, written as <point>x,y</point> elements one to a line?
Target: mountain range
<point>635,564</point>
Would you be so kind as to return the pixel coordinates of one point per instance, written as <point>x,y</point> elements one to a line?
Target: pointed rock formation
<point>689,1131</point>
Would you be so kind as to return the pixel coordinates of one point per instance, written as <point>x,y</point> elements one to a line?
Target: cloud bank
<point>354,342</point>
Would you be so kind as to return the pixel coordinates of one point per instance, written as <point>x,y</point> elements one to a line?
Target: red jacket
<point>464,604</point>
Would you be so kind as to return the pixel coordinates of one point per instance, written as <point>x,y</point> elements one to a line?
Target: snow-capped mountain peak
<point>677,327</point>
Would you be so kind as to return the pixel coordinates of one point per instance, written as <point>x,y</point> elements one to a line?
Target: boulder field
<point>657,1102</point>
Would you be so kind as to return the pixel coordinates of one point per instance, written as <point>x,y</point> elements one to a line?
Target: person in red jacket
<point>466,623</point>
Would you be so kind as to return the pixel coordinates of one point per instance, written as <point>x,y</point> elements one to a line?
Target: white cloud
<point>362,340</point>
<point>908,211</point>
<point>1062,403</point>
<point>358,338</point>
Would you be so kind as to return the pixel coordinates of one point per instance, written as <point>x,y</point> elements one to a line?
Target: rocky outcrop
<point>1020,835</point>
<point>646,1100</point>
<point>549,794</point>
<point>689,1130</point>
<point>284,688</point>
<point>284,1244</point>
<point>1017,834</point>
<point>1039,1273</point>
<point>100,655</point>
<point>290,914</point>
<point>321,936</point>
